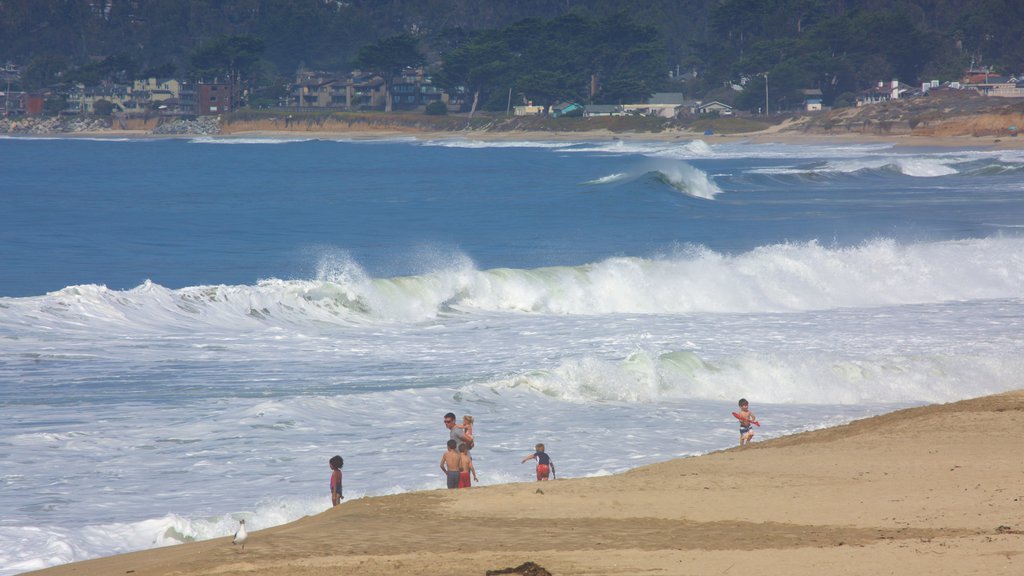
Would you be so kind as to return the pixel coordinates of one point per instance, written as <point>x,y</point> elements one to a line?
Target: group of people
<point>457,462</point>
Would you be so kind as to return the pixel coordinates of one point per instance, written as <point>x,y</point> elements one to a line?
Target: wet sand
<point>776,134</point>
<point>932,490</point>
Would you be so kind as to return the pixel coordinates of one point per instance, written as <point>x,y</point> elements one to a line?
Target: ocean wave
<point>617,177</point>
<point>914,167</point>
<point>775,278</point>
<point>243,140</point>
<point>464,143</point>
<point>776,378</point>
<point>680,176</point>
<point>63,545</point>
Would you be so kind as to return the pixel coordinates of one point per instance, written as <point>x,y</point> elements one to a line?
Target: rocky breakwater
<point>38,126</point>
<point>203,126</point>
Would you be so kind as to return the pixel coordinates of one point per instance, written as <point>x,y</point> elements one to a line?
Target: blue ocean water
<point>190,328</point>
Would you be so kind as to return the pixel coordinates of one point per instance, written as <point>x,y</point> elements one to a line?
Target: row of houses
<point>412,89</point>
<point>151,96</point>
<point>160,96</point>
<point>661,104</point>
<point>983,82</point>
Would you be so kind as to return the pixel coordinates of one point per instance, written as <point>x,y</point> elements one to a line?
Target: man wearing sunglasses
<point>457,434</point>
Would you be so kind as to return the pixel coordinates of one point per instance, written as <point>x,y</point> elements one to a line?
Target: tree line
<point>542,50</point>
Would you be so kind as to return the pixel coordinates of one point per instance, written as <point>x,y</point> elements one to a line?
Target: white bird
<point>241,536</point>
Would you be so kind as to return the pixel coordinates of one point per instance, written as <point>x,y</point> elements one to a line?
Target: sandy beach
<point>774,135</point>
<point>784,133</point>
<point>936,490</point>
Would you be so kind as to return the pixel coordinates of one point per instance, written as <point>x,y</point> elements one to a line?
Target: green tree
<point>103,107</point>
<point>228,57</point>
<point>436,108</point>
<point>477,66</point>
<point>165,70</point>
<point>43,70</point>
<point>388,57</point>
<point>629,60</point>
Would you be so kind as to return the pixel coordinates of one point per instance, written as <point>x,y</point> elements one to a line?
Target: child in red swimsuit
<point>465,467</point>
<point>545,466</point>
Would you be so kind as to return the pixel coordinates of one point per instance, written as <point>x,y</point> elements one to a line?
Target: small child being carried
<point>467,427</point>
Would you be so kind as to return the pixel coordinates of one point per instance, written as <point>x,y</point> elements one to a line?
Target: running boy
<point>544,464</point>
<point>747,419</point>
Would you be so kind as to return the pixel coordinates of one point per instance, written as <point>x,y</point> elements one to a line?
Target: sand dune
<point>936,490</point>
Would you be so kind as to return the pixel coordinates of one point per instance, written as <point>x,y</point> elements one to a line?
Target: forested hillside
<point>838,46</point>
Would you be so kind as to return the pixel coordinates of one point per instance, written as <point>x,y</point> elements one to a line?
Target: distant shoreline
<point>950,120</point>
<point>761,137</point>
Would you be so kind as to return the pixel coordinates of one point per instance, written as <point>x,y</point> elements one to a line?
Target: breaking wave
<point>775,278</point>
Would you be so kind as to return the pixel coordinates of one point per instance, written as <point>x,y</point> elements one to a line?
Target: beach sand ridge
<point>937,490</point>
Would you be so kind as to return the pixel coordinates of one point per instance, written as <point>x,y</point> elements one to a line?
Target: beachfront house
<point>12,103</point>
<point>359,90</point>
<point>528,109</point>
<point>414,89</point>
<point>603,110</point>
<point>663,104</point>
<point>214,98</point>
<point>713,107</point>
<point>989,84</point>
<point>883,92</point>
<point>567,110</point>
<point>81,99</point>
<point>812,99</point>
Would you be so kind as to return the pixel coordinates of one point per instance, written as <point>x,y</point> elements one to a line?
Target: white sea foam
<point>789,377</point>
<point>780,278</point>
<point>465,143</point>
<point>243,140</point>
<point>690,181</point>
<point>617,177</point>
<point>918,167</point>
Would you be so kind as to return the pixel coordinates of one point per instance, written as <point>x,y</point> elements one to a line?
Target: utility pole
<point>766,95</point>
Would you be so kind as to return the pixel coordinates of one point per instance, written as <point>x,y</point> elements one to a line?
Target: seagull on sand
<point>241,536</point>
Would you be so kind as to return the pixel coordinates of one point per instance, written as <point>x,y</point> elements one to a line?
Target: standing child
<point>467,427</point>
<point>465,467</point>
<point>450,464</point>
<point>747,419</point>
<point>544,464</point>
<point>336,463</point>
